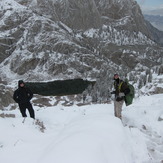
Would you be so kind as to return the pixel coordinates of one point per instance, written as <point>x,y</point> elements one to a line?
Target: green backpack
<point>129,97</point>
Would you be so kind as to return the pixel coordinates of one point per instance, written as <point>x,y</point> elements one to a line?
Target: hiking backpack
<point>129,97</point>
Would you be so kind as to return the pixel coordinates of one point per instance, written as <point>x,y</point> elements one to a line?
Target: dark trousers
<point>28,106</point>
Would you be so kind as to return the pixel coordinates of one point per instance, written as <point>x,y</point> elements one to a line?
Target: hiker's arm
<point>30,94</point>
<point>113,92</point>
<point>15,97</point>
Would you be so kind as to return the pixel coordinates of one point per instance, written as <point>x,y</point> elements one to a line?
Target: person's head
<point>21,83</point>
<point>116,76</point>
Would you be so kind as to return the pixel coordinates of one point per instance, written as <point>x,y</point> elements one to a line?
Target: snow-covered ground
<point>85,134</point>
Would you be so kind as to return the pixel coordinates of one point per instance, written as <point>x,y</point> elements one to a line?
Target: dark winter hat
<point>20,82</point>
<point>115,76</point>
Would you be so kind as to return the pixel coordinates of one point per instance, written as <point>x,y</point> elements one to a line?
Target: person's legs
<point>31,111</point>
<point>118,108</point>
<point>22,108</point>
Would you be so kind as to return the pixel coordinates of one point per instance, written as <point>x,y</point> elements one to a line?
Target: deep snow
<point>86,134</point>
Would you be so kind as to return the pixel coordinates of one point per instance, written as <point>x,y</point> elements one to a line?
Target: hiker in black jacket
<point>121,89</point>
<point>22,96</point>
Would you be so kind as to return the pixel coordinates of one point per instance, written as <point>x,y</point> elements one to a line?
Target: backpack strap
<point>116,85</point>
<point>120,85</point>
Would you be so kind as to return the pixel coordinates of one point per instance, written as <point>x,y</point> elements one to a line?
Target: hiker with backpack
<point>22,96</point>
<point>121,89</point>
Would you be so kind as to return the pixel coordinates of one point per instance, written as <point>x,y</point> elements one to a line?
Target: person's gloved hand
<point>113,92</point>
<point>121,94</point>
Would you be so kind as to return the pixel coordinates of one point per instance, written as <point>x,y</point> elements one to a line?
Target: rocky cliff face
<point>86,14</point>
<point>45,40</point>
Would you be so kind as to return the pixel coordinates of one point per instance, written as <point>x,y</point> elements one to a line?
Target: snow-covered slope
<point>89,134</point>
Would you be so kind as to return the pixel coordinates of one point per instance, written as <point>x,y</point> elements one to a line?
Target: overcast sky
<point>150,4</point>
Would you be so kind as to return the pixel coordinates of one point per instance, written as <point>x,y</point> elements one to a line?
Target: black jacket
<point>120,87</point>
<point>22,95</point>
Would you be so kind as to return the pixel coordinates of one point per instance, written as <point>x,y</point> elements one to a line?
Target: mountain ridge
<point>155,20</point>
